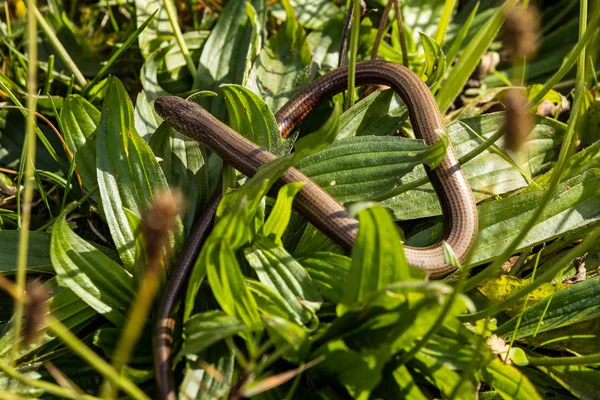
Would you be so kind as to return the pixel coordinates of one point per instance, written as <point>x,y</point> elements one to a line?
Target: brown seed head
<point>159,221</point>
<point>35,310</point>
<point>522,31</point>
<point>519,123</point>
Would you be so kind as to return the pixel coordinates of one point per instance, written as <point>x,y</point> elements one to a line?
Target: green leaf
<point>442,376</point>
<point>406,386</point>
<point>573,304</point>
<point>322,137</point>
<point>422,17</point>
<point>279,218</point>
<point>359,372</point>
<point>582,382</point>
<point>461,35</point>
<point>256,187</point>
<point>233,228</point>
<point>508,381</point>
<point>184,166</point>
<point>224,60</point>
<point>488,174</point>
<point>379,114</point>
<point>377,257</point>
<point>205,329</point>
<point>38,252</point>
<point>312,14</point>
<point>95,278</point>
<point>252,118</point>
<point>12,128</point>
<point>169,67</point>
<point>158,31</point>
<point>268,301</point>
<point>286,334</point>
<point>277,269</point>
<point>107,339</point>
<point>283,65</point>
<point>200,382</point>
<point>469,59</point>
<point>128,173</point>
<point>227,284</point>
<point>150,71</point>
<point>79,120</point>
<point>435,60</point>
<point>329,272</point>
<point>325,42</point>
<point>145,118</point>
<point>359,168</point>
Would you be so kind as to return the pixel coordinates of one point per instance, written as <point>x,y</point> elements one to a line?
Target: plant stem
<point>401,33</point>
<point>135,323</point>
<point>29,178</point>
<point>354,31</point>
<point>172,15</point>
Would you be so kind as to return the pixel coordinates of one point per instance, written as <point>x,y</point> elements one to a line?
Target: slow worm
<point>323,211</point>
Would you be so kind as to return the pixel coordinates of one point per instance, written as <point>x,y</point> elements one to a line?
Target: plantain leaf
<point>158,31</point>
<point>128,173</point>
<point>234,225</point>
<point>149,74</point>
<point>205,329</point>
<point>435,59</point>
<point>442,376</point>
<point>280,216</point>
<point>277,269</point>
<point>252,118</point>
<point>582,382</point>
<point>184,166</point>
<point>377,259</point>
<point>325,42</point>
<point>79,120</point>
<point>95,278</point>
<point>509,381</point>
<point>224,60</point>
<point>380,114</point>
<point>573,304</point>
<point>38,252</point>
<point>145,118</point>
<point>312,14</point>
<point>359,372</point>
<point>405,388</point>
<point>227,283</point>
<point>283,65</point>
<point>329,272</point>
<point>200,382</point>
<point>172,71</point>
<point>357,169</point>
<point>268,301</point>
